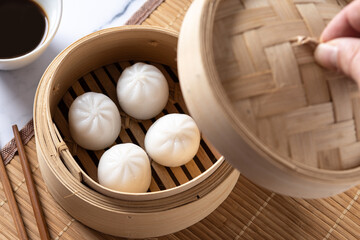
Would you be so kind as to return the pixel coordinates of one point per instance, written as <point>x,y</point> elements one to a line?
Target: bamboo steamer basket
<point>283,121</point>
<point>178,197</point>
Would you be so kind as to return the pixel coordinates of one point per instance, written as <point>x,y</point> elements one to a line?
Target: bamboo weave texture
<point>303,113</point>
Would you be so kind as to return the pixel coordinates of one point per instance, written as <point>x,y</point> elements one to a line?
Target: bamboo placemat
<point>250,212</point>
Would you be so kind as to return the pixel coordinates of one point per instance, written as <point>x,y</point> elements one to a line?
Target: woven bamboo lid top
<point>280,95</point>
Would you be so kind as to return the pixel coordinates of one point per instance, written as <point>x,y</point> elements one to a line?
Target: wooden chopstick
<point>14,209</point>
<point>34,197</point>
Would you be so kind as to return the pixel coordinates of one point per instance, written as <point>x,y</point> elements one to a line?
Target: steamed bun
<point>142,91</point>
<point>126,168</point>
<point>94,121</point>
<point>173,140</point>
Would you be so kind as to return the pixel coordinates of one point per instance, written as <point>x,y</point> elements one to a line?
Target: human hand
<point>340,43</point>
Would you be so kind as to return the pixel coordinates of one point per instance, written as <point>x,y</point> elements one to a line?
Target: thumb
<point>342,54</point>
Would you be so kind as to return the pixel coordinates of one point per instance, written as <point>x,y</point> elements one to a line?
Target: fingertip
<point>326,35</point>
<point>326,55</point>
<point>342,54</point>
<point>321,39</point>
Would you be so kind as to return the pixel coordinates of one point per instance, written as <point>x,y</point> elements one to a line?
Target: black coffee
<point>23,25</point>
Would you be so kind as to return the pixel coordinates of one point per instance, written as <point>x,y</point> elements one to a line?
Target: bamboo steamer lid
<point>253,86</point>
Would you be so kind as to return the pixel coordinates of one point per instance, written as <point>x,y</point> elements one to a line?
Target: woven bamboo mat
<point>250,212</point>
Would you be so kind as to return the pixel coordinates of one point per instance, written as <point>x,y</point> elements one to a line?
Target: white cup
<point>53,10</point>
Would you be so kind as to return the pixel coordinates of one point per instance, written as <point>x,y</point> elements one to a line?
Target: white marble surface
<point>80,17</point>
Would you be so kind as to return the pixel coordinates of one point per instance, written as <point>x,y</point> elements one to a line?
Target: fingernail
<point>326,55</point>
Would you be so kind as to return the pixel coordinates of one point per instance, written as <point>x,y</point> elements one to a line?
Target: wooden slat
<point>250,85</point>
<point>350,155</point>
<point>255,4</point>
<point>228,8</point>
<point>288,30</point>
<point>251,18</point>
<point>356,110</point>
<point>283,100</point>
<point>242,55</point>
<point>224,49</point>
<point>327,11</point>
<point>257,53</point>
<point>244,109</point>
<point>335,135</point>
<point>330,159</point>
<point>315,84</point>
<point>283,64</point>
<point>312,18</point>
<point>285,9</point>
<point>302,149</point>
<point>309,118</point>
<point>341,100</point>
<point>272,132</point>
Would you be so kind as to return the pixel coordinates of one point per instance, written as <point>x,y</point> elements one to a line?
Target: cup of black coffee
<point>27,28</point>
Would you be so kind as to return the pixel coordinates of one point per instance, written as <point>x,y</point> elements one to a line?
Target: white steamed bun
<point>142,91</point>
<point>94,121</point>
<point>173,140</point>
<point>126,168</point>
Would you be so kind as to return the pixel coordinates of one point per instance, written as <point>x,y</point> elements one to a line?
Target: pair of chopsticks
<point>34,197</point>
